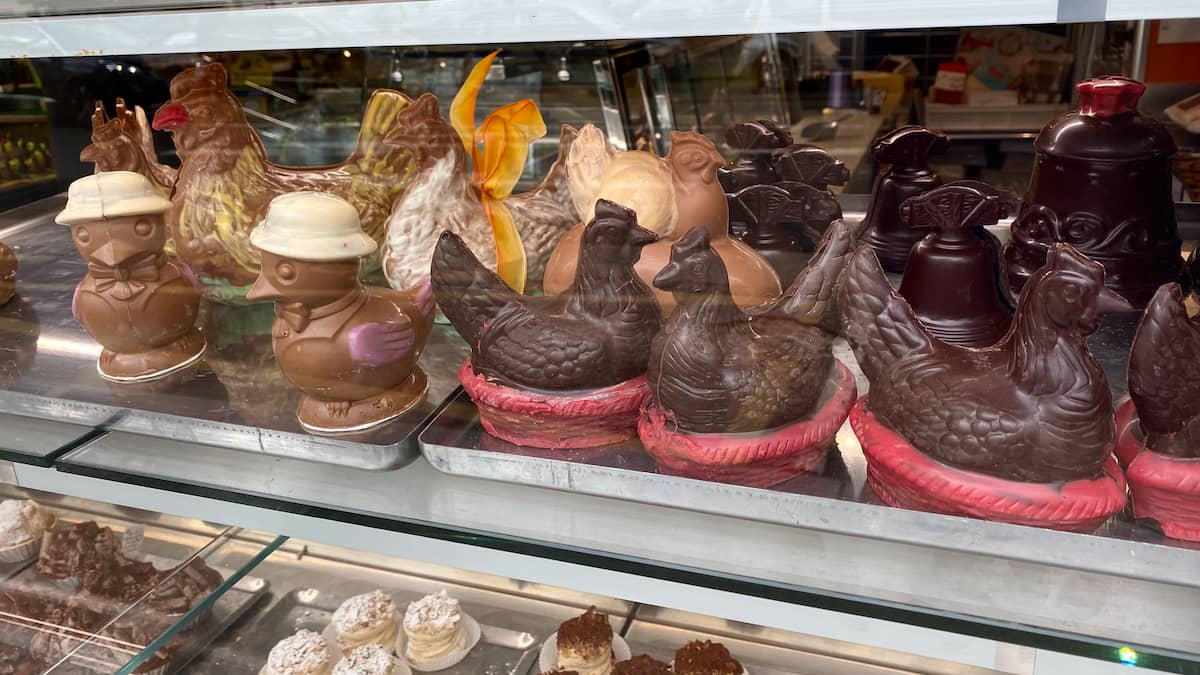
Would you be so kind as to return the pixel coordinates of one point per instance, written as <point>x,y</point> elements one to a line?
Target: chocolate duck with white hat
<point>136,302</point>
<point>351,349</point>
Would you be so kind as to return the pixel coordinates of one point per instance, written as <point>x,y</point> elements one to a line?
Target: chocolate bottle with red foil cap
<point>906,151</point>
<point>1102,183</point>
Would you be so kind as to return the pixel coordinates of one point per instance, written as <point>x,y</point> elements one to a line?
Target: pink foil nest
<point>759,459</point>
<point>1165,489</point>
<point>546,420</point>
<point>905,477</point>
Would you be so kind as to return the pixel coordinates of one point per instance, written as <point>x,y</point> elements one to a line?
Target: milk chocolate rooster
<point>140,306</point>
<point>670,195</point>
<point>351,349</point>
<point>1159,426</point>
<point>734,394</point>
<point>1021,431</point>
<point>226,182</point>
<point>556,371</point>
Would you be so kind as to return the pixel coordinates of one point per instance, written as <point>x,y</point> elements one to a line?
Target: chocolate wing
<point>528,349</point>
<point>880,325</point>
<point>1164,364</point>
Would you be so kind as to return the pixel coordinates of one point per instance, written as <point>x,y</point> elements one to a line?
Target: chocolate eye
<point>83,235</point>
<point>143,228</point>
<point>285,271</point>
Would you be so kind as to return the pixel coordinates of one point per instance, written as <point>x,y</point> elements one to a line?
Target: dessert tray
<point>236,397</point>
<point>514,621</point>
<point>101,654</point>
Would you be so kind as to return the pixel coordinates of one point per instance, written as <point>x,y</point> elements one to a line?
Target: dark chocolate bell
<point>761,210</point>
<point>952,281</point>
<point>906,153</point>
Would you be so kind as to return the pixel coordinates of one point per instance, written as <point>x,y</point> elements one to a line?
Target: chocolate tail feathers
<point>371,152</point>
<point>470,295</point>
<point>1164,364</point>
<point>813,291</point>
<point>879,324</point>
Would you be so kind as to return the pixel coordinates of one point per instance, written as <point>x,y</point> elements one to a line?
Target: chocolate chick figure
<point>351,349</point>
<point>138,304</point>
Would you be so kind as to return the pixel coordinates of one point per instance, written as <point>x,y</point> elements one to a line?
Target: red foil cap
<point>1109,95</point>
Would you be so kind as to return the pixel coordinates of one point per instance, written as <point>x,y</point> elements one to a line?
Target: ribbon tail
<point>510,252</point>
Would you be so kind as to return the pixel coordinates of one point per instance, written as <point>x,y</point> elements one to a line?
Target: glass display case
<point>854,338</point>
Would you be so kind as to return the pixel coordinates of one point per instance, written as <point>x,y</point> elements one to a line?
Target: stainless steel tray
<point>236,398</point>
<point>836,499</point>
<point>516,617</point>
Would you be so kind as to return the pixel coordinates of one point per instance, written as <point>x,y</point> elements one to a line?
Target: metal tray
<point>516,617</point>
<point>236,397</point>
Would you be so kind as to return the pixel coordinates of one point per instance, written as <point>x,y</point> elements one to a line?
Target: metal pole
<point>1141,40</point>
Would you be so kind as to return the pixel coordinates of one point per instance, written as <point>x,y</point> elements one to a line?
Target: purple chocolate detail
<point>378,344</point>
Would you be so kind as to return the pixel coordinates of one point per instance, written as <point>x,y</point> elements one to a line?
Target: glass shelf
<point>1103,595</point>
<point>108,620</point>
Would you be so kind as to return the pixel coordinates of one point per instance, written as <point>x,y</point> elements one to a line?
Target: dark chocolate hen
<point>1034,407</point>
<point>1164,374</point>
<point>596,334</point>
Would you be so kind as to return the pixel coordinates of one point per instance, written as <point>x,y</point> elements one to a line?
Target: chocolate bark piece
<point>73,551</point>
<point>641,664</point>
<point>184,587</point>
<point>705,658</point>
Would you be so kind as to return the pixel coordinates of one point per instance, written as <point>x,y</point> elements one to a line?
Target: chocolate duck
<point>556,371</point>
<point>351,349</point>
<point>1159,426</point>
<point>1102,183</point>
<point>140,306</point>
<point>954,281</point>
<point>906,153</point>
<point>670,195</point>
<point>745,396</point>
<point>1020,432</point>
<point>8,273</point>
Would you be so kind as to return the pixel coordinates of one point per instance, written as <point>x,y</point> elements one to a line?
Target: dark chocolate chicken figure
<point>1164,375</point>
<point>595,334</point>
<point>1035,407</point>
<point>718,369</point>
<point>351,349</point>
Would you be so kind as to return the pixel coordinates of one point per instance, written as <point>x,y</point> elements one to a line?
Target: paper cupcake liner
<point>548,659</point>
<point>469,625</point>
<point>26,551</point>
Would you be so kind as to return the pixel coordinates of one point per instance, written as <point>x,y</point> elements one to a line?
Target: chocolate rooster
<point>1164,375</point>
<point>716,368</point>
<point>123,143</point>
<point>351,349</point>
<point>226,182</point>
<point>596,334</point>
<point>1035,407</point>
<point>443,197</point>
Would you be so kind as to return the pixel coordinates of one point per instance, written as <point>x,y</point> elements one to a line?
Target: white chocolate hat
<point>312,226</point>
<point>111,194</point>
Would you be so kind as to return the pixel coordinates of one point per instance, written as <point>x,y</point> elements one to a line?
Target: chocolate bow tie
<point>125,282</point>
<point>295,314</point>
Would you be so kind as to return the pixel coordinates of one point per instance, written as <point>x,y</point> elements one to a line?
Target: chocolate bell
<point>755,141</point>
<point>761,209</point>
<point>811,165</point>
<point>952,281</point>
<point>1102,183</point>
<point>907,151</point>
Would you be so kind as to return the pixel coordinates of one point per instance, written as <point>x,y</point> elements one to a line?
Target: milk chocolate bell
<point>906,150</point>
<point>1102,183</point>
<point>953,279</point>
<point>351,349</point>
<point>134,301</point>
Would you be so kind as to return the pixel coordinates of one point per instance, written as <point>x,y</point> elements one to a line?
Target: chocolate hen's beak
<point>668,277</point>
<point>640,236</point>
<point>170,116</point>
<point>1111,302</point>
